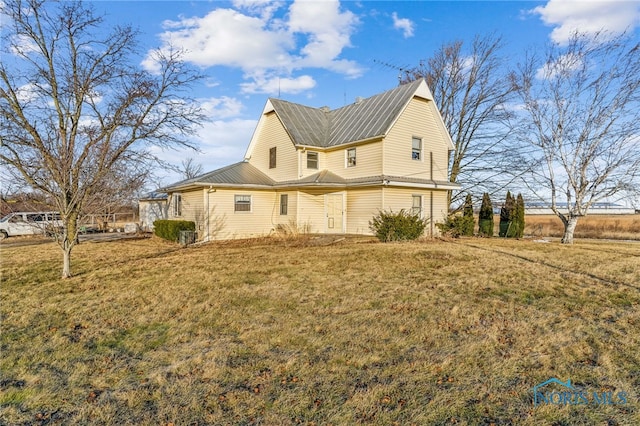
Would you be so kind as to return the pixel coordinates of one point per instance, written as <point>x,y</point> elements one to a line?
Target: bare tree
<point>581,121</point>
<point>190,169</point>
<point>73,108</point>
<point>471,88</point>
<point>121,189</point>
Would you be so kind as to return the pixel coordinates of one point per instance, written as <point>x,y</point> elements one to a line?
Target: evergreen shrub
<point>398,226</point>
<point>485,219</point>
<point>170,229</point>
<point>469,223</point>
<point>456,226</point>
<point>507,214</point>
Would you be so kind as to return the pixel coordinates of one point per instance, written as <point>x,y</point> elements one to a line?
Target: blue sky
<point>327,52</point>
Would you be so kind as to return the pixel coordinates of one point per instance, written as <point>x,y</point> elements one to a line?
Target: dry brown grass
<point>618,227</point>
<point>270,332</point>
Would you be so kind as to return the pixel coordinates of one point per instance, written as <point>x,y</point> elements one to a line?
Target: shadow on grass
<point>552,266</point>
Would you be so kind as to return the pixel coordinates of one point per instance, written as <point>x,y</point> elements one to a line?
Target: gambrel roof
<point>365,119</point>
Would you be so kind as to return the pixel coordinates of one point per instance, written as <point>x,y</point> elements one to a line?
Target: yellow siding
<point>225,223</point>
<point>263,219</point>
<point>322,163</point>
<point>417,120</point>
<point>192,208</point>
<point>362,205</point>
<point>368,161</point>
<point>402,198</point>
<point>310,211</point>
<point>272,134</point>
<point>290,218</point>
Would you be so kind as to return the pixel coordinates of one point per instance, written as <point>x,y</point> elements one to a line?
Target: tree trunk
<point>66,260</point>
<point>569,228</point>
<point>69,240</point>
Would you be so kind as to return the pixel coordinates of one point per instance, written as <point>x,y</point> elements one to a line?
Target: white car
<point>29,223</point>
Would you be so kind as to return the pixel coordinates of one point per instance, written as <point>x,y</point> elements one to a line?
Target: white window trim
<point>421,159</point>
<point>346,158</point>
<point>421,215</point>
<point>177,205</point>
<point>317,160</point>
<point>250,204</point>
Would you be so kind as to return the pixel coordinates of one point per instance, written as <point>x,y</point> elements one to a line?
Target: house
<point>151,207</point>
<point>326,171</point>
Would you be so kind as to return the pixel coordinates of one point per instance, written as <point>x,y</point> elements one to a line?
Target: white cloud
<point>328,32</point>
<point>277,85</point>
<point>252,38</point>
<point>222,139</point>
<point>230,38</point>
<point>564,66</point>
<point>588,16</point>
<point>23,45</point>
<point>219,108</point>
<point>30,92</point>
<point>404,24</point>
<point>263,8</point>
<point>224,142</point>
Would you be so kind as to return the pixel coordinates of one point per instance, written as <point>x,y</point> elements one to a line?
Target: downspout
<point>431,212</point>
<point>431,193</point>
<point>208,215</point>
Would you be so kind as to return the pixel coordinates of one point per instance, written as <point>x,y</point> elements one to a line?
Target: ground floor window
<point>242,203</point>
<point>416,208</point>
<point>284,204</point>
<point>177,205</point>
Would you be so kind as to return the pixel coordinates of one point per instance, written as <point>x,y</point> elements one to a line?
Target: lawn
<point>277,332</point>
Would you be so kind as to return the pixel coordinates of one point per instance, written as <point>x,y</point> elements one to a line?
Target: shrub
<point>518,218</point>
<point>399,226</point>
<point>507,213</point>
<point>485,219</point>
<point>456,226</point>
<point>469,223</point>
<point>170,229</point>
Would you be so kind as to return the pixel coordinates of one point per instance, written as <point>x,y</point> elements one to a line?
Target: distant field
<point>273,332</point>
<point>619,227</point>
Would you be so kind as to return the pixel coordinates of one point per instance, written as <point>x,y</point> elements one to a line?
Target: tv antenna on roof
<point>402,71</point>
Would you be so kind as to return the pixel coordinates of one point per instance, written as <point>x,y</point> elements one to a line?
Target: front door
<point>335,213</point>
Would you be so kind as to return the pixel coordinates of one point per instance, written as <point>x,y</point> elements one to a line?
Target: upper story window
<point>312,160</point>
<point>284,204</point>
<point>351,157</point>
<point>177,205</point>
<point>416,148</point>
<point>272,158</point>
<point>242,203</point>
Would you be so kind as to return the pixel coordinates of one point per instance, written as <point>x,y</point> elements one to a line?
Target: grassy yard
<point>290,332</point>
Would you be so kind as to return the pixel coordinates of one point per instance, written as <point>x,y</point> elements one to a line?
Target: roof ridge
<point>364,119</point>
